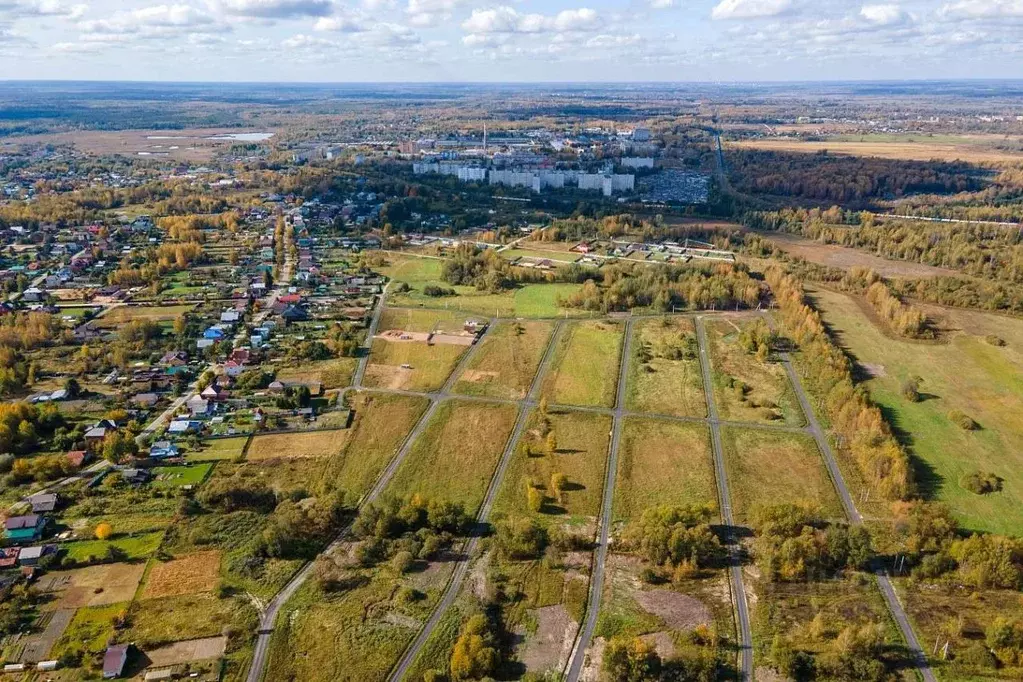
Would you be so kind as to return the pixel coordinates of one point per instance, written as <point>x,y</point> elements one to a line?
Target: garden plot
<point>93,585</point>
<point>747,388</point>
<point>188,574</point>
<point>297,445</point>
<point>507,361</point>
<point>585,365</point>
<point>664,370</point>
<point>411,365</point>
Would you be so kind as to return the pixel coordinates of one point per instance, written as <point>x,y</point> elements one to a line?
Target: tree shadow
<point>928,481</point>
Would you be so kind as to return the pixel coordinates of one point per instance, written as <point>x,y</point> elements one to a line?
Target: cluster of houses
<point>23,533</point>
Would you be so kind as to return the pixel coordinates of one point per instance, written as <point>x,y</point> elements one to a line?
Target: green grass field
<point>180,476</point>
<point>428,366</point>
<point>154,622</point>
<point>663,463</point>
<point>89,630</point>
<point>454,458</point>
<point>506,362</point>
<point>122,314</point>
<point>584,369</point>
<point>747,389</point>
<point>582,440</point>
<point>381,425</point>
<point>661,385</point>
<point>967,373</point>
<point>420,320</point>
<point>219,448</point>
<point>134,547</point>
<point>529,300</point>
<point>336,373</point>
<point>767,467</point>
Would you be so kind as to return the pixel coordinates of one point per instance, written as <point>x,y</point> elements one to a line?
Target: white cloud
<point>340,23</point>
<point>749,9</point>
<point>152,22</point>
<point>884,15</point>
<point>430,12</point>
<point>42,8</point>
<point>276,9</point>
<point>664,4</point>
<point>981,9</point>
<point>505,19</point>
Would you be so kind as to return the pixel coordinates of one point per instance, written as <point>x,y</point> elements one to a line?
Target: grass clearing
<point>455,456</point>
<point>133,547</point>
<point>584,368</point>
<point>660,385</point>
<point>297,445</point>
<point>381,424</point>
<point>89,631</point>
<point>507,361</point>
<point>331,374</point>
<point>420,320</point>
<point>663,463</point>
<point>966,373</point>
<point>216,449</point>
<point>411,365</point>
<point>181,476</point>
<point>769,467</point>
<point>154,622</point>
<point>188,574</point>
<point>582,440</point>
<point>748,389</point>
<point>120,315</point>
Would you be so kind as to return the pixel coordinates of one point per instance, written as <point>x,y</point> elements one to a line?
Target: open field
<point>297,445</point>
<point>421,320</point>
<point>100,585</point>
<point>134,547</point>
<point>154,622</point>
<point>963,149</point>
<point>582,441</point>
<point>584,369</point>
<point>529,300</point>
<point>118,316</point>
<point>184,575</point>
<point>455,456</point>
<point>748,389</point>
<point>335,373</point>
<point>381,424</point>
<point>845,257</point>
<point>506,362</point>
<point>968,373</point>
<point>663,463</point>
<point>767,468</point>
<point>189,144</point>
<point>219,448</point>
<point>411,365</point>
<point>656,382</point>
<point>180,476</point>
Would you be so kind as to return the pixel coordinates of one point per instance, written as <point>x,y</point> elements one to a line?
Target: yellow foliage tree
<point>103,531</point>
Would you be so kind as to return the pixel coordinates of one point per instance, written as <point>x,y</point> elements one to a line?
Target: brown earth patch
<point>551,646</point>
<point>390,376</point>
<point>478,375</point>
<point>190,574</point>
<point>93,585</point>
<point>678,611</point>
<point>187,651</point>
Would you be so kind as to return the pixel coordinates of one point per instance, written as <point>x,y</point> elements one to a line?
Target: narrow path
<point>884,583</point>
<point>482,517</point>
<point>604,533</point>
<point>367,344</point>
<point>725,501</point>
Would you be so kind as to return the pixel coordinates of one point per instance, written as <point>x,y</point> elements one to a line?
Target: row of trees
<point>883,462</point>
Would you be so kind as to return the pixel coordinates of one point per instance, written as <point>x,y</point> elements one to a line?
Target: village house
<point>27,528</point>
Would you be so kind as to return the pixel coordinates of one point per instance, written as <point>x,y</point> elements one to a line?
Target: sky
<point>510,40</point>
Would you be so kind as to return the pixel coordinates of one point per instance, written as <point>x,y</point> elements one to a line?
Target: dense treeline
<point>987,251</point>
<point>675,537</point>
<point>824,177</point>
<point>794,543</point>
<point>623,286</point>
<point>904,319</point>
<point>881,459</point>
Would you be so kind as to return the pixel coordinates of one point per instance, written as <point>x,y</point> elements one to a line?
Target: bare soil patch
<point>188,575</point>
<point>844,257</point>
<point>390,376</point>
<point>93,585</point>
<point>187,651</point>
<point>478,375</point>
<point>678,611</point>
<point>551,646</point>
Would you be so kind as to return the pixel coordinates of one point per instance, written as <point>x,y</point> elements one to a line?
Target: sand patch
<point>678,611</point>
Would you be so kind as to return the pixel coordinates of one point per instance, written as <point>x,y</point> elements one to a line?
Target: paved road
<point>887,590</point>
<point>604,533</point>
<point>725,501</point>
<point>462,568</point>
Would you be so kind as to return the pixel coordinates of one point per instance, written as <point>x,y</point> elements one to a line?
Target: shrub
<point>962,420</point>
<point>911,390</point>
<point>981,483</point>
<point>402,562</point>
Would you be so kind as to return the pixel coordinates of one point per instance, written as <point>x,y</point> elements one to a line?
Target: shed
<point>114,660</point>
<point>43,502</point>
